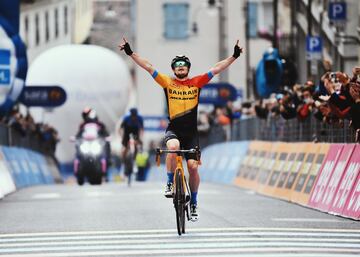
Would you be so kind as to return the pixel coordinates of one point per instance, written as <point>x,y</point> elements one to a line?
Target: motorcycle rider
<point>89,116</point>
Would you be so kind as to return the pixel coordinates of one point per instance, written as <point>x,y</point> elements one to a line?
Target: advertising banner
<point>284,157</point>
<point>352,204</point>
<point>6,182</point>
<point>291,171</point>
<point>324,176</point>
<point>246,166</point>
<point>268,166</point>
<point>347,183</point>
<point>311,166</point>
<point>336,177</point>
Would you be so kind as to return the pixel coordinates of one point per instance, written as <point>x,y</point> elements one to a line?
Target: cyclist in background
<point>182,94</point>
<point>132,125</point>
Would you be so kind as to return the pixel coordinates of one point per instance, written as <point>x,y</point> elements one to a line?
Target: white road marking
<point>193,251</point>
<point>183,246</point>
<point>46,196</point>
<point>307,220</point>
<point>184,239</point>
<point>99,193</point>
<point>190,230</point>
<point>174,234</point>
<point>201,241</point>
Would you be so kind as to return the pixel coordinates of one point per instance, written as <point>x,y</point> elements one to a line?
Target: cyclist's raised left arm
<point>222,65</point>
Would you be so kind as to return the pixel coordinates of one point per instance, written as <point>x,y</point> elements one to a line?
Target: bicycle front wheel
<point>179,202</point>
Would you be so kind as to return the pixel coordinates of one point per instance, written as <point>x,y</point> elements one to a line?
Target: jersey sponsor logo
<point>185,94</point>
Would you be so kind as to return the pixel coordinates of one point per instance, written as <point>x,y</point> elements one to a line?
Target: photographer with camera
<point>337,86</point>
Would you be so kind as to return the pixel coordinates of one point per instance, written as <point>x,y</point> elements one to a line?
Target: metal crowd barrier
<point>279,129</point>
<point>12,137</point>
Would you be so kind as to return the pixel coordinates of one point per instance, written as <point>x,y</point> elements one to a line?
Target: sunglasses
<point>180,64</point>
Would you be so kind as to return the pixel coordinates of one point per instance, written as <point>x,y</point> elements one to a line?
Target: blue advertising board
<point>155,123</point>
<point>43,96</point>
<point>217,93</point>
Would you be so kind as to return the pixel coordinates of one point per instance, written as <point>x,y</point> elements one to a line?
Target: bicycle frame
<point>180,167</point>
<point>181,196</point>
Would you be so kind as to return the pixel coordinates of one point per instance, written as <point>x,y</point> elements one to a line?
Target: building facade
<point>48,23</point>
<point>340,41</point>
<point>206,31</point>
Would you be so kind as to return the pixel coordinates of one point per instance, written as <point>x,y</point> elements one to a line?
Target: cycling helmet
<point>92,115</point>
<point>86,112</point>
<point>133,111</point>
<point>180,58</point>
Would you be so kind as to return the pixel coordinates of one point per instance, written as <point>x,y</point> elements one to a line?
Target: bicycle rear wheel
<point>179,203</point>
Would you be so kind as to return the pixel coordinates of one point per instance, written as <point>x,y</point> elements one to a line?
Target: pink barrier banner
<point>336,177</point>
<point>352,206</point>
<point>326,171</point>
<point>349,179</point>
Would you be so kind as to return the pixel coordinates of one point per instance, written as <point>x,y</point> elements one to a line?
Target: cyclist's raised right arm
<point>143,63</point>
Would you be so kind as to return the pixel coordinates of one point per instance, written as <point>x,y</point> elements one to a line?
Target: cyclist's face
<point>181,72</point>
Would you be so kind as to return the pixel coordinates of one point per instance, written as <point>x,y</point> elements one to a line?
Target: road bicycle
<point>129,161</point>
<point>181,190</point>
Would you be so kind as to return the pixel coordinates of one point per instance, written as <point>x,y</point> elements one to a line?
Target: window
<point>37,30</point>
<point>66,20</point>
<point>176,20</point>
<point>252,19</point>
<point>26,26</point>
<point>47,30</point>
<point>260,18</point>
<point>56,23</point>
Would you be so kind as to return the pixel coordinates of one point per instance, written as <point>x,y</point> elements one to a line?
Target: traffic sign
<point>337,11</point>
<point>43,96</point>
<point>314,47</point>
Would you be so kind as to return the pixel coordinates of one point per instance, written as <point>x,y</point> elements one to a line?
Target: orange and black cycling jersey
<point>182,98</point>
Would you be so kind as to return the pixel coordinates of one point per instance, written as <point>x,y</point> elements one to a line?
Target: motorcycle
<point>90,162</point>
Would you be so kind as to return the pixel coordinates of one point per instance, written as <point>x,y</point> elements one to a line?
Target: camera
<point>333,77</point>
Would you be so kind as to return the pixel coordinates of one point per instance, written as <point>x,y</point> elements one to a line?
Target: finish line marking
<point>151,231</point>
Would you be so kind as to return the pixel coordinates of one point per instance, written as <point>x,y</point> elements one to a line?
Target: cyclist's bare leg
<point>172,144</point>
<point>194,178</point>
<point>124,151</point>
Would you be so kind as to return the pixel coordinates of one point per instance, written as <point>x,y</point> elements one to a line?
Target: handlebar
<point>159,151</point>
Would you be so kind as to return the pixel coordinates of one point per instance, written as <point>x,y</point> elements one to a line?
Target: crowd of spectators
<point>335,98</point>
<point>28,133</point>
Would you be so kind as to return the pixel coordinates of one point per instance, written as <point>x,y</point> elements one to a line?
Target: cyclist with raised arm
<point>182,94</point>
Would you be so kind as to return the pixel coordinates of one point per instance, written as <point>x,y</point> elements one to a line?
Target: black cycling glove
<point>127,49</point>
<point>237,51</point>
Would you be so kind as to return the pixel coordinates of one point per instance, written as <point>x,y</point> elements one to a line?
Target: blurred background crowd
<point>333,101</point>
